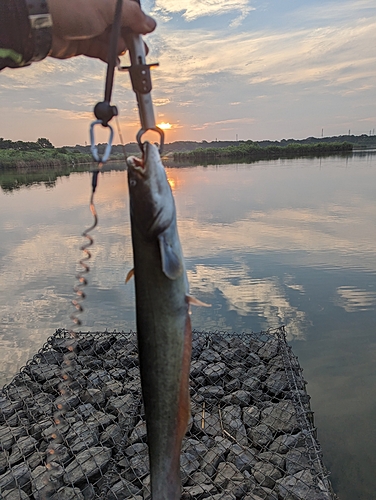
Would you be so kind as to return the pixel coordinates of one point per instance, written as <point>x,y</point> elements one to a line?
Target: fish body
<point>163,322</point>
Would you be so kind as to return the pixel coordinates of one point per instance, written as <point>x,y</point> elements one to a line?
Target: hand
<point>82,27</point>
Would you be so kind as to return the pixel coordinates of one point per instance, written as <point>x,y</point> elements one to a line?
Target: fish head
<point>151,200</point>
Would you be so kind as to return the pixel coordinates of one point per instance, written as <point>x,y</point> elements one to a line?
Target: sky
<point>229,69</point>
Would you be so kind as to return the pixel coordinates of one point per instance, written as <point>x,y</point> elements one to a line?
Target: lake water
<point>276,242</point>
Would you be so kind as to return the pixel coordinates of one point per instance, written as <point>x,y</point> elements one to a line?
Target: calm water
<point>283,242</point>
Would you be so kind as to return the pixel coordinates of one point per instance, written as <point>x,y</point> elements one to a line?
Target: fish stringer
<point>104,112</point>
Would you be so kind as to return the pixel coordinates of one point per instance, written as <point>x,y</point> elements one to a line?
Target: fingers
<point>133,17</point>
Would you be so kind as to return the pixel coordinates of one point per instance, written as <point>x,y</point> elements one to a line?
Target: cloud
<point>354,299</point>
<point>193,9</point>
<point>265,298</point>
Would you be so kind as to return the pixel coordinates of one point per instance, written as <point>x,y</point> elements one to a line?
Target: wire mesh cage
<point>251,434</point>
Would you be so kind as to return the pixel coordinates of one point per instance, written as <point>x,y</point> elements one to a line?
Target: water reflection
<point>282,242</point>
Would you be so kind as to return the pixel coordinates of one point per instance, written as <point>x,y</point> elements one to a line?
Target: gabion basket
<point>251,435</point>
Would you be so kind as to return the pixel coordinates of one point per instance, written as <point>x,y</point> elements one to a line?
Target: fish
<point>164,332</point>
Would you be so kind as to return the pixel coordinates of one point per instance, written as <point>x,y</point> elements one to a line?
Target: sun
<point>164,126</point>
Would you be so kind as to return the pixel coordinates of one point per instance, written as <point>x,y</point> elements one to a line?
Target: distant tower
<point>322,132</point>
<point>349,132</point>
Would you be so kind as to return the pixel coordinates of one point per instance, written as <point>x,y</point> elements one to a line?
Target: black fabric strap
<point>41,24</point>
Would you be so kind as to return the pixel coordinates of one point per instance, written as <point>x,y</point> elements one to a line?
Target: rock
<point>86,464</point>
<point>126,409</point>
<point>140,465</point>
<point>214,372</point>
<point>208,423</point>
<point>50,357</point>
<point>52,385</point>
<point>57,452</point>
<point>188,465</point>
<point>212,459</point>
<point>123,490</point>
<point>8,408</point>
<point>19,475</point>
<point>85,411</point>
<point>8,435</point>
<point>237,373</point>
<point>199,491</point>
<point>41,373</point>
<point>251,384</point>
<point>24,447</point>
<point>82,436</point>
<point>112,436</point>
<point>198,477</point>
<point>15,494</point>
<point>45,481</point>
<point>18,392</point>
<point>261,435</point>
<point>273,458</point>
<point>232,423</point>
<point>4,456</point>
<point>139,433</point>
<point>113,388</point>
<point>98,378</point>
<point>101,419</point>
<point>227,474</point>
<point>269,349</point>
<point>259,371</point>
<point>251,416</point>
<point>266,474</point>
<point>211,392</point>
<point>93,396</point>
<point>233,385</point>
<point>67,402</point>
<point>280,417</point>
<point>276,383</point>
<point>240,397</point>
<point>210,356</point>
<point>195,448</point>
<point>264,493</point>
<point>118,374</point>
<point>197,368</point>
<point>297,460</point>
<point>40,405</point>
<point>300,485</point>
<point>282,444</point>
<point>225,495</point>
<point>67,493</point>
<point>136,449</point>
<point>234,354</point>
<point>242,457</point>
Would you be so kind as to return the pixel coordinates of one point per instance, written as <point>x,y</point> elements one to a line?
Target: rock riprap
<point>72,422</point>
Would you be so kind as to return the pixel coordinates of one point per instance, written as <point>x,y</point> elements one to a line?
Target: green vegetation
<point>253,151</point>
<point>39,154</point>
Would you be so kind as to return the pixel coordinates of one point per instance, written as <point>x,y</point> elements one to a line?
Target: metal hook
<point>93,146</point>
<point>141,132</point>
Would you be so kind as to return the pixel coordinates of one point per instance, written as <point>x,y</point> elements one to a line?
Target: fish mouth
<point>137,165</point>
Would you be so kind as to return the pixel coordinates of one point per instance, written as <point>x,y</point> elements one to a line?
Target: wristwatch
<point>41,24</point>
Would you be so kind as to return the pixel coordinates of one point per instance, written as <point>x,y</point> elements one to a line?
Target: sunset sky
<point>245,69</point>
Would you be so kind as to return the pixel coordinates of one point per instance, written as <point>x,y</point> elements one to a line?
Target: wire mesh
<point>251,434</point>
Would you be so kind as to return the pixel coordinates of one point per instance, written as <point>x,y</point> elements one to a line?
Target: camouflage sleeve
<point>16,40</point>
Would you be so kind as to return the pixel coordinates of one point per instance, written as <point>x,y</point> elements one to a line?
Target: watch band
<point>41,24</point>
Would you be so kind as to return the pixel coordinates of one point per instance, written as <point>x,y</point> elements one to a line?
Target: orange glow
<point>164,126</point>
<point>172,182</point>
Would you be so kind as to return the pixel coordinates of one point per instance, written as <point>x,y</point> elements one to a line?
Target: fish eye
<point>132,182</point>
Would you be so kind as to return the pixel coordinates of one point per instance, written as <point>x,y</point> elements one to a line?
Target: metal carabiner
<point>93,146</point>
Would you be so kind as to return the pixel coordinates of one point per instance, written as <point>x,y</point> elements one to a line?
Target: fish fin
<point>195,302</point>
<point>171,261</point>
<point>129,275</point>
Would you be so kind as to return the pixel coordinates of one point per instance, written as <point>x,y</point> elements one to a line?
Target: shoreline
<point>251,434</point>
